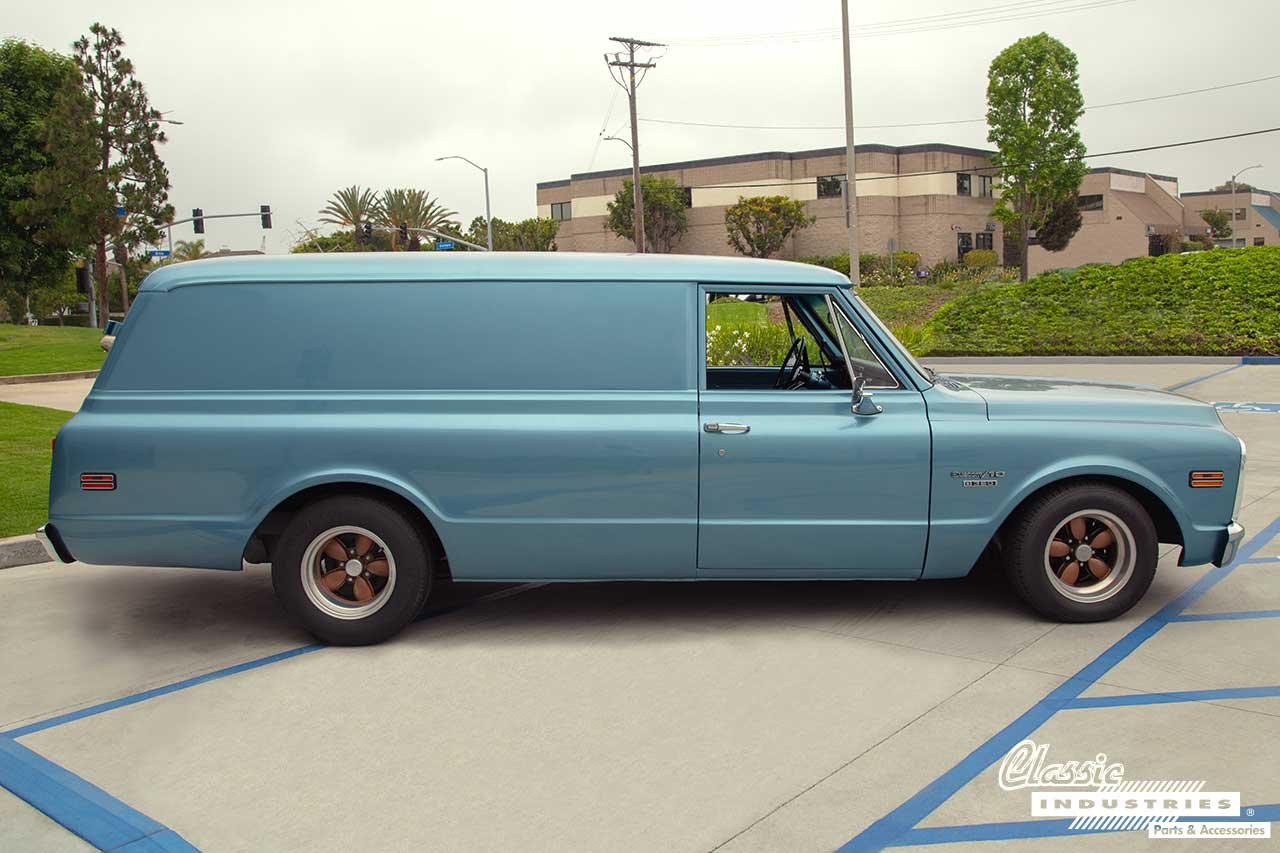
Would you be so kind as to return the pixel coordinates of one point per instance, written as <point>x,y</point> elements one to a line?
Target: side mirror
<point>863,405</point>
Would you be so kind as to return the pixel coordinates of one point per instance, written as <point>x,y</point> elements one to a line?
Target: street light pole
<point>488,220</point>
<point>1233,197</point>
<point>851,171</point>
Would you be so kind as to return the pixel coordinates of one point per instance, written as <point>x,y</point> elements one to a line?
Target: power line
<point>944,21</point>
<point>1129,102</point>
<point>976,169</point>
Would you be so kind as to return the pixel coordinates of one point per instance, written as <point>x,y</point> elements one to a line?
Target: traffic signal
<point>404,233</point>
<point>266,215</point>
<point>197,217</point>
<point>368,230</point>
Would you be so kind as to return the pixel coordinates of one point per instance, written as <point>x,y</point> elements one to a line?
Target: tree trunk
<point>100,283</point>
<point>1025,250</point>
<point>124,289</point>
<point>26,308</point>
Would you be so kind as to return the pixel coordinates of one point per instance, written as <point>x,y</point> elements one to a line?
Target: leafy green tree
<point>759,226</point>
<point>126,131</point>
<point>34,245</point>
<point>414,209</point>
<point>57,299</point>
<point>188,250</point>
<point>1219,222</point>
<point>1061,224</point>
<point>342,241</point>
<point>1033,104</point>
<point>665,220</point>
<point>527,235</point>
<point>352,208</point>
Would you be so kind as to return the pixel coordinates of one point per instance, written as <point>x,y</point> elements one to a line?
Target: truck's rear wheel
<point>1085,552</point>
<point>353,570</point>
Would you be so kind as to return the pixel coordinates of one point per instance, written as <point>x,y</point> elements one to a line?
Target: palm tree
<point>415,209</point>
<point>351,208</point>
<point>188,250</point>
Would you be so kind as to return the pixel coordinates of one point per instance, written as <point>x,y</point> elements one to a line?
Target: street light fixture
<point>1233,197</point>
<point>488,220</point>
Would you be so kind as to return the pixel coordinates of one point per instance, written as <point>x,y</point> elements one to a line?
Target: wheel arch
<point>1166,523</point>
<point>271,522</point>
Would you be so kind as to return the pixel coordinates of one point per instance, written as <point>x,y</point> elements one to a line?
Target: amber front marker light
<point>1206,479</point>
<point>97,482</point>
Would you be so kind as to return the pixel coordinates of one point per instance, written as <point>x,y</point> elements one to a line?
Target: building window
<point>829,186</point>
<point>983,240</point>
<point>688,196</point>
<point>560,211</point>
<point>1090,202</point>
<point>964,183</point>
<point>984,186</point>
<point>1259,241</point>
<point>964,244</point>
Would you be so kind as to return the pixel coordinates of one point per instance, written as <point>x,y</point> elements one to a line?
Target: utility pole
<point>1233,201</point>
<point>851,171</point>
<point>628,82</point>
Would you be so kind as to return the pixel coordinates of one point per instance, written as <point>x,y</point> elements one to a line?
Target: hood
<point>1045,397</point>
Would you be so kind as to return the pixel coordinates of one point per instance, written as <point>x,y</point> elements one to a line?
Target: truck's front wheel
<point>1084,552</point>
<point>352,569</point>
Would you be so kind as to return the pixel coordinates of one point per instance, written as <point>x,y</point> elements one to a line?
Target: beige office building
<point>931,199</point>
<point>1255,215</point>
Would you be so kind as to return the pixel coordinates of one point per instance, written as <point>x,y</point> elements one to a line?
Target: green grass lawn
<point>49,349</point>
<point>734,311</point>
<point>26,451</point>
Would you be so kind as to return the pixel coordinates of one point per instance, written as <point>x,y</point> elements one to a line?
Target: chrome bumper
<point>46,535</point>
<point>1235,533</point>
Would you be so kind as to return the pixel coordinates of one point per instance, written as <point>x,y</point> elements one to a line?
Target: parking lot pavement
<point>734,717</point>
<point>65,394</point>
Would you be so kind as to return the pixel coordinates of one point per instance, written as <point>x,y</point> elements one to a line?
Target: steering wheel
<point>795,367</point>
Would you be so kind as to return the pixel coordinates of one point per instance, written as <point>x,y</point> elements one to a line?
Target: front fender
<point>957,540</point>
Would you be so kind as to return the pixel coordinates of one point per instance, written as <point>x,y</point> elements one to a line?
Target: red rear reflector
<point>97,482</point>
<point>1206,479</point>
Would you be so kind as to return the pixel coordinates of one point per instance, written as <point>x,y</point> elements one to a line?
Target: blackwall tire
<point>353,570</point>
<point>1082,552</point>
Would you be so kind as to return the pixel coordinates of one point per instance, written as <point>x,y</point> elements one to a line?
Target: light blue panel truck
<point>369,424</point>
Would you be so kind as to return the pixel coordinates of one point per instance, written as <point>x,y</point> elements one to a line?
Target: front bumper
<point>53,545</point>
<point>1235,533</point>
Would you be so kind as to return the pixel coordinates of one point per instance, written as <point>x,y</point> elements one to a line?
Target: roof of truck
<point>482,266</point>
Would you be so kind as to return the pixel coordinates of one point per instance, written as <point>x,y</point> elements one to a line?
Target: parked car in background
<point>378,422</point>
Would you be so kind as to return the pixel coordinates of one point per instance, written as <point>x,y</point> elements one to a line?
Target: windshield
<point>925,373</point>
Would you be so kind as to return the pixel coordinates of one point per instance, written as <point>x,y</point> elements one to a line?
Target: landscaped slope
<point>1220,302</point>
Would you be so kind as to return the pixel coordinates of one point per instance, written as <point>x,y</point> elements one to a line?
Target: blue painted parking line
<point>891,829</point>
<point>1262,560</point>
<point>1248,408</point>
<point>1191,382</point>
<point>86,810</point>
<point>143,696</point>
<point>93,814</point>
<point>1024,829</point>
<point>1227,617</point>
<point>1170,698</point>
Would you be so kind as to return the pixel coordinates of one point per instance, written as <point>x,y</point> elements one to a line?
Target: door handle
<point>713,426</point>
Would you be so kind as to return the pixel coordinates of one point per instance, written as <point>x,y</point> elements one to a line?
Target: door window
<point>761,341</point>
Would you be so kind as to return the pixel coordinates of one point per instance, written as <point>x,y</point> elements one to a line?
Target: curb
<point>21,551</point>
<point>48,377</point>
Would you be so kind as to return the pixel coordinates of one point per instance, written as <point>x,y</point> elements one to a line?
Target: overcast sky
<point>284,102</point>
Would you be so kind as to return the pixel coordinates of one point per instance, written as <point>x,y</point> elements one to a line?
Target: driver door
<point>791,482</point>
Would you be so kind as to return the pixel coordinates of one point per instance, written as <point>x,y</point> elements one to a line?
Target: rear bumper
<point>1235,533</point>
<point>53,545</point>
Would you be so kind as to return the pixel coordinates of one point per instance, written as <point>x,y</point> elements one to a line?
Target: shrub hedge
<point>1220,302</point>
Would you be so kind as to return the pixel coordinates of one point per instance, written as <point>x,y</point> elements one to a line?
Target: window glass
<point>861,356</point>
<point>983,240</point>
<point>750,330</point>
<point>964,243</point>
<point>1259,241</point>
<point>688,195</point>
<point>964,184</point>
<point>984,186</point>
<point>829,186</point>
<point>561,211</point>
<point>1090,202</point>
